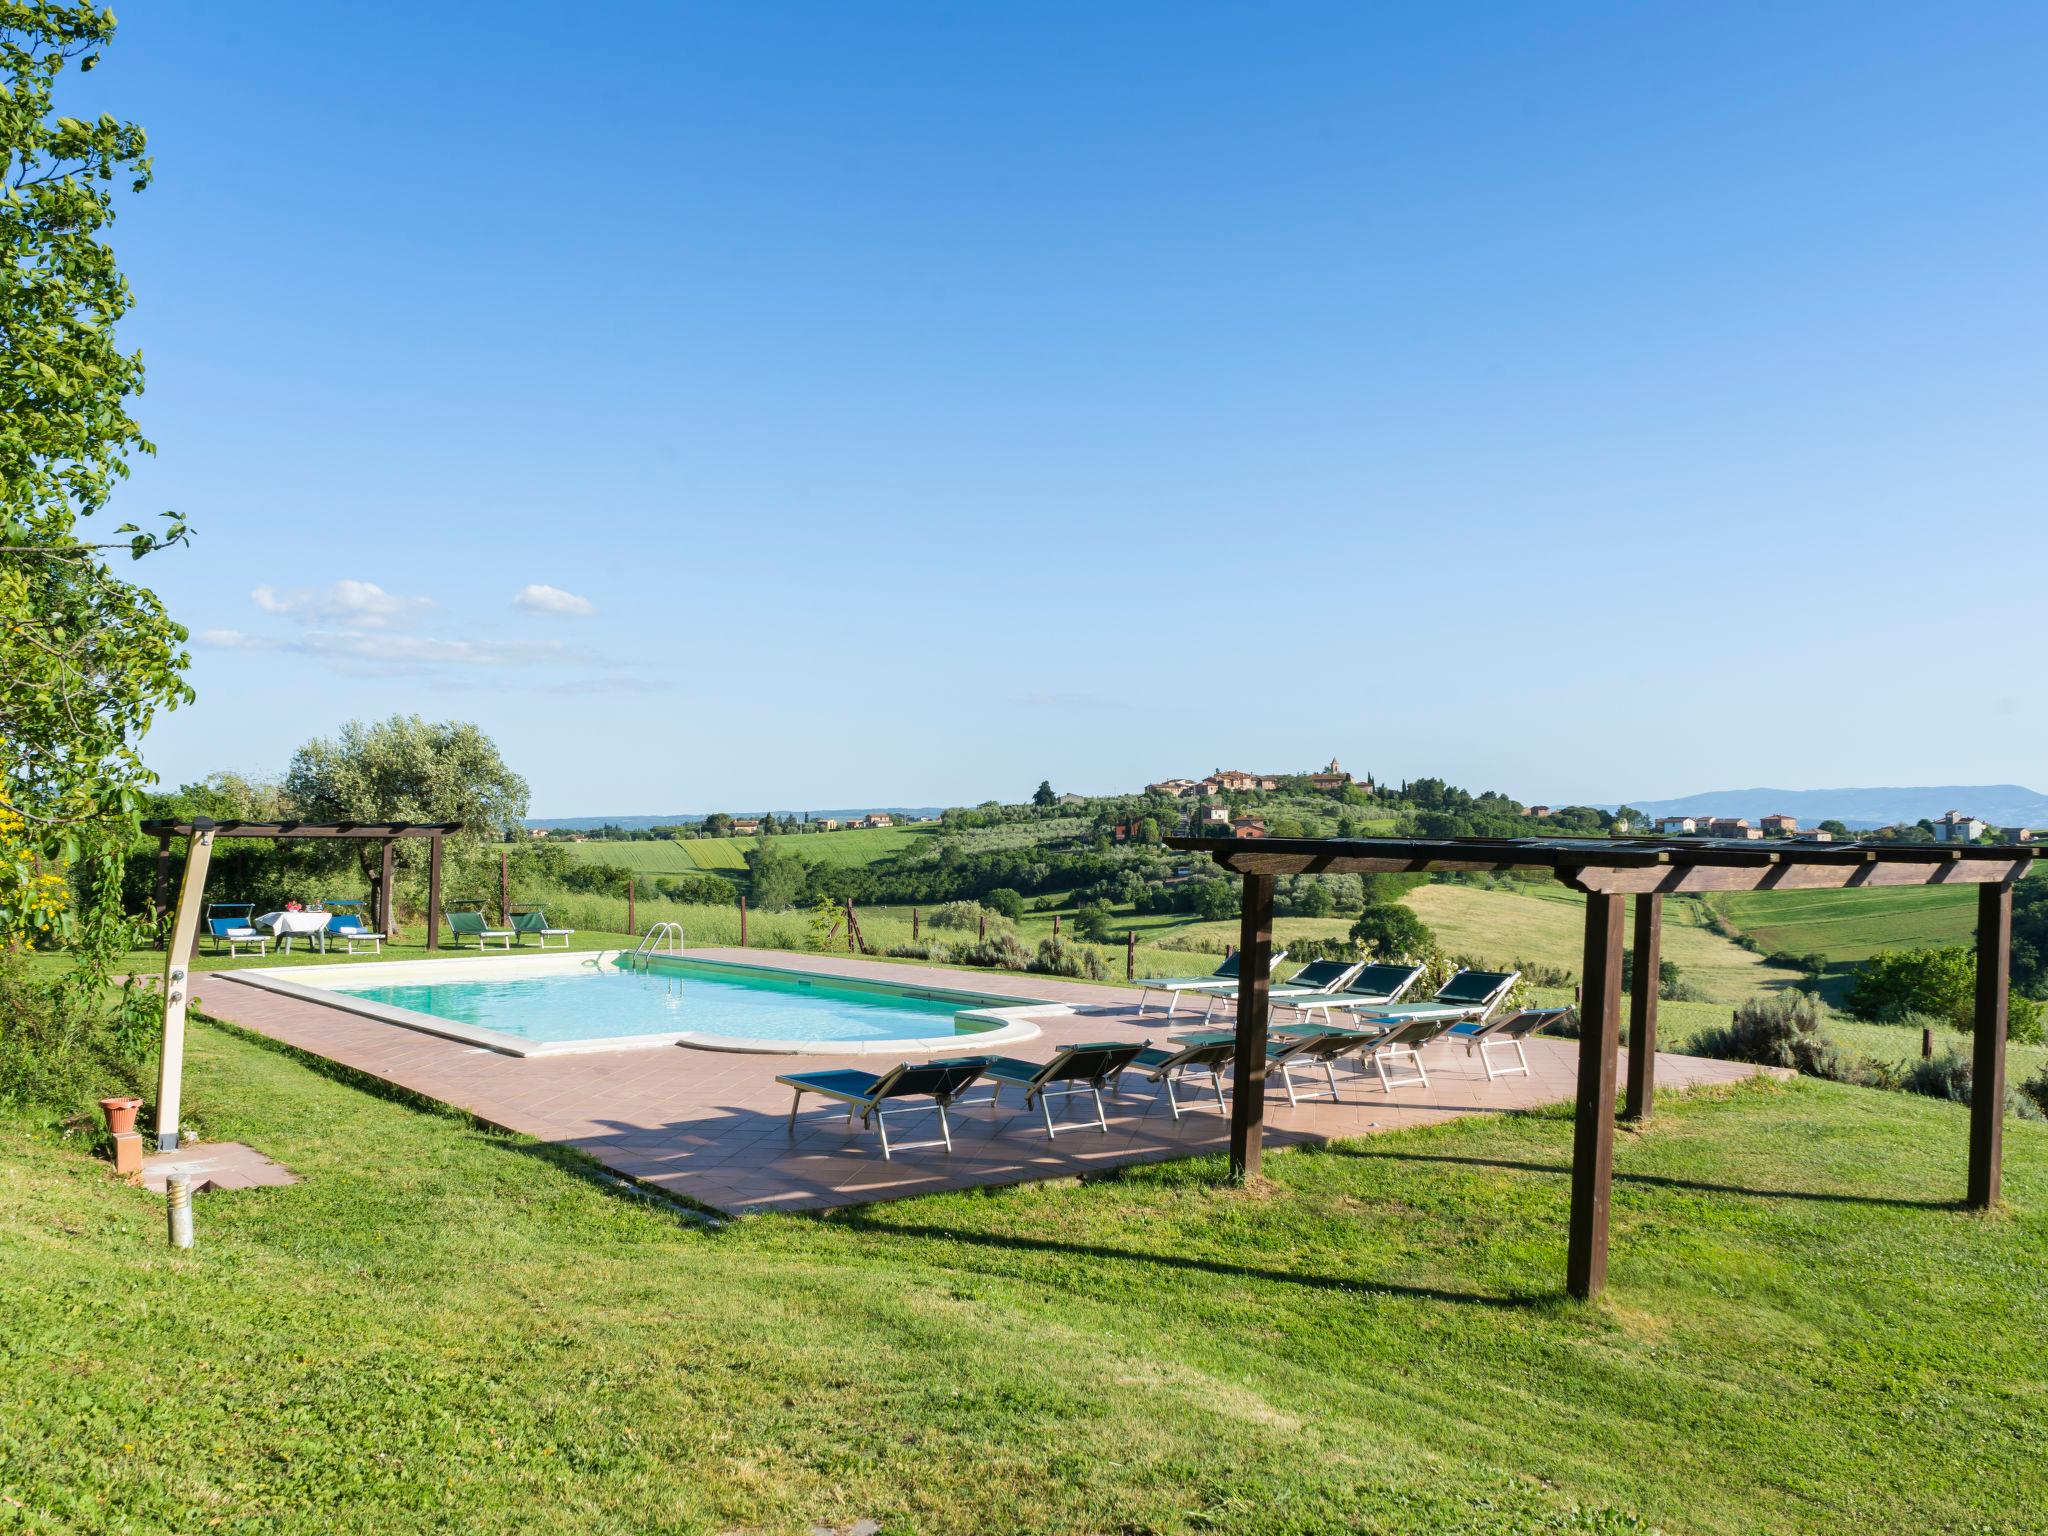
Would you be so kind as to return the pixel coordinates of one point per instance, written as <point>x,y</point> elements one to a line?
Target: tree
<point>1938,983</point>
<point>1390,931</point>
<point>1043,796</point>
<point>717,824</point>
<point>1834,828</point>
<point>1006,901</point>
<point>86,659</point>
<point>775,874</point>
<point>1095,923</point>
<point>407,769</point>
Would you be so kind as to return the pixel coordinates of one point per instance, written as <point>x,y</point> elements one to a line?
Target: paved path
<point>712,1126</point>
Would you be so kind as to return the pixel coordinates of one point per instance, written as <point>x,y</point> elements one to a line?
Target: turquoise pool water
<point>680,996</point>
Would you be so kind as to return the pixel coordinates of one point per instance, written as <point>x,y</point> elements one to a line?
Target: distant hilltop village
<point>1235,781</point>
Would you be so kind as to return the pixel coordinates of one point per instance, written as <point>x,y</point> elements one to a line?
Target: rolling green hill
<point>1852,925</point>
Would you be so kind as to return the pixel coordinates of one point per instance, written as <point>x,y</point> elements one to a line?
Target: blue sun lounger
<point>1380,985</point>
<point>1077,1069</point>
<point>1223,979</point>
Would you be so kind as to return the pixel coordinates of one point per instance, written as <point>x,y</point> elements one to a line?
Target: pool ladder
<point>652,942</point>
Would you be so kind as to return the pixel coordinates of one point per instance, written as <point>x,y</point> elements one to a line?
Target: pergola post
<point>1254,998</point>
<point>178,983</point>
<point>504,888</point>
<point>1987,1069</point>
<point>384,883</point>
<point>1593,1125</point>
<point>1642,1008</point>
<point>434,893</point>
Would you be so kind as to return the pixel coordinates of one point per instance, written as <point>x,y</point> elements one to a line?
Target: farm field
<point>1848,926</point>
<point>448,1328</point>
<point>1545,923</point>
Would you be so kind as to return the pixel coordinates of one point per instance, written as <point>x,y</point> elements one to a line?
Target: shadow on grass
<point>862,1219</point>
<point>1650,1180</point>
<point>573,1161</point>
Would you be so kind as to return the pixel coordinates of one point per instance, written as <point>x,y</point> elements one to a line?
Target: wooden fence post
<point>984,926</point>
<point>1131,955</point>
<point>913,925</point>
<point>1055,925</point>
<point>852,944</point>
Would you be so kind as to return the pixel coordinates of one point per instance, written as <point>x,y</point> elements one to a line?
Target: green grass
<point>1853,925</point>
<point>446,1329</point>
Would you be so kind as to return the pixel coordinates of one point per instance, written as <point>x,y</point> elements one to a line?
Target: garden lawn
<point>448,1329</point>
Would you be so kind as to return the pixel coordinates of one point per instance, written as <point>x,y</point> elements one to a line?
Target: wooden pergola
<point>1610,871</point>
<point>199,834</point>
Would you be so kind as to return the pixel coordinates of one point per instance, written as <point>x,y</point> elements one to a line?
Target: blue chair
<point>345,922</point>
<point>228,922</point>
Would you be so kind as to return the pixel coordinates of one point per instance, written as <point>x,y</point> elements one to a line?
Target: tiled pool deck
<point>712,1126</point>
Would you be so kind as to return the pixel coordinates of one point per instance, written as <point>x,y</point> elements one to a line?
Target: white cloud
<point>539,598</point>
<point>359,604</point>
<point>385,652</point>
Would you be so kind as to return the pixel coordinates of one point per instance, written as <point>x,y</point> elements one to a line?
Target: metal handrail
<point>646,949</point>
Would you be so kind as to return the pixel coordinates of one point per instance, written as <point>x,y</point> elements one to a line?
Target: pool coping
<point>1010,1019</point>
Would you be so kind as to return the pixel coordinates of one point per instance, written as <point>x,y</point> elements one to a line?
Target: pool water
<point>678,997</point>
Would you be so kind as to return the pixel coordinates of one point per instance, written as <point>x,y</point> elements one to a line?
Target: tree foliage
<point>1392,931</point>
<point>86,658</point>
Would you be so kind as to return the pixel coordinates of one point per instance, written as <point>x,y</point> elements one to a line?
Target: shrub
<point>1057,957</point>
<point>1782,1030</point>
<point>2035,1089</point>
<point>997,952</point>
<point>958,914</point>
<point>1941,982</point>
<point>62,1048</point>
<point>1006,901</point>
<point>1390,931</point>
<point>925,949</point>
<point>1095,922</point>
<point>1949,1076</point>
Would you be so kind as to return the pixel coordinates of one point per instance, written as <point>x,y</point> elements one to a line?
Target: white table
<point>284,925</point>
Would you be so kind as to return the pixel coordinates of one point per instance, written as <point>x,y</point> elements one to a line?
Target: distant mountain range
<point>689,818</point>
<point>2003,805</point>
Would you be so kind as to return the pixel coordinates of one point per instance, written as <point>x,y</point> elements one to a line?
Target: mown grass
<point>449,1329</point>
<point>1853,925</point>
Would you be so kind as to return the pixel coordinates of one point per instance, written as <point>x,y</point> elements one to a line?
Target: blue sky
<point>902,404</point>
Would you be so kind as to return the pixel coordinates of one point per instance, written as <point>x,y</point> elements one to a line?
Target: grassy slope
<point>1853,925</point>
<point>1546,923</point>
<point>448,1329</point>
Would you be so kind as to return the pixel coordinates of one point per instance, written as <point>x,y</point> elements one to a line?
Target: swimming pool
<point>530,1005</point>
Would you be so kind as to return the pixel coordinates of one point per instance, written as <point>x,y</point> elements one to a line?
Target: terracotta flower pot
<point>120,1113</point>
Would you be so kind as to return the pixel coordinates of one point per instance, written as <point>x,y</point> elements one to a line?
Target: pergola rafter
<point>1610,871</point>
<point>199,834</point>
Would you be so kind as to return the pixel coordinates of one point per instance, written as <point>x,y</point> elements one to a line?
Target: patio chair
<point>345,922</point>
<point>1373,986</point>
<point>534,921</point>
<point>1077,1069</point>
<point>1509,1029</point>
<point>865,1093</point>
<point>233,928</point>
<point>1467,998</point>
<point>1402,1043</point>
<point>1310,1047</point>
<point>1162,1064</point>
<point>471,925</point>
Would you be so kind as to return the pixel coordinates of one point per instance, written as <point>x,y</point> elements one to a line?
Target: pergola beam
<point>277,829</point>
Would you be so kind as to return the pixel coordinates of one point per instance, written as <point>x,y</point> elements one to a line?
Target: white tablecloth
<point>284,925</point>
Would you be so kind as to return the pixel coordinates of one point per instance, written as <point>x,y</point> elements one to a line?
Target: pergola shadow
<point>1651,1180</point>
<point>860,1219</point>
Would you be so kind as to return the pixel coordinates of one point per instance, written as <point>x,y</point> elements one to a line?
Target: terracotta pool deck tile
<point>714,1126</point>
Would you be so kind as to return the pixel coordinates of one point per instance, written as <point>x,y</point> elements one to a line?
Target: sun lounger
<point>1509,1029</point>
<point>471,925</point>
<point>535,922</point>
<point>1076,1069</point>
<point>865,1093</point>
<point>228,923</point>
<point>1373,986</point>
<point>1316,979</point>
<point>1467,998</point>
<point>1162,1064</point>
<point>1402,1043</point>
<point>1295,1045</point>
<point>1222,979</point>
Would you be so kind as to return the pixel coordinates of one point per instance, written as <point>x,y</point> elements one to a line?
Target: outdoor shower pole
<point>178,981</point>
